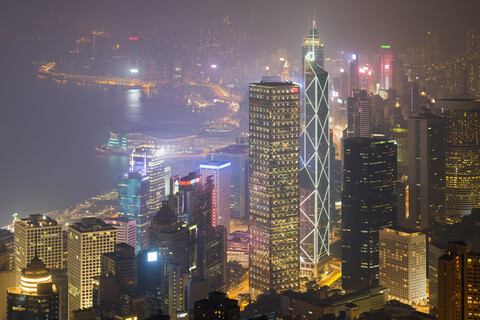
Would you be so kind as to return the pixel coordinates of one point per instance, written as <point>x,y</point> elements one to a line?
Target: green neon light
<point>385,47</point>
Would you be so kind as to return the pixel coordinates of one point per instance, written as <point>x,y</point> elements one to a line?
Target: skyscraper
<point>36,297</point>
<point>368,206</point>
<point>315,157</point>
<point>312,48</point>
<point>358,115</point>
<point>126,229</point>
<point>274,186</point>
<point>386,67</point>
<point>458,283</point>
<point>87,241</point>
<point>174,239</point>
<point>133,197</point>
<point>37,235</point>
<point>220,171</point>
<point>426,171</point>
<point>149,160</point>
<point>237,155</point>
<point>353,75</point>
<point>462,154</point>
<point>403,262</point>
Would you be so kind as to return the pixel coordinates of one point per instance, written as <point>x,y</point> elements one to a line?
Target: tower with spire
<point>314,156</point>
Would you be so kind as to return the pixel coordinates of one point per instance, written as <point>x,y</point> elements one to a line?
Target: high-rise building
<point>37,235</point>
<point>368,206</point>
<point>458,283</point>
<point>237,155</point>
<point>126,230</point>
<point>149,161</point>
<point>462,154</point>
<point>312,47</point>
<point>274,114</point>
<point>176,289</point>
<point>87,241</point>
<point>121,264</point>
<point>386,67</point>
<point>133,197</point>
<point>217,306</point>
<point>174,239</point>
<point>220,172</point>
<point>353,74</point>
<point>315,157</point>
<point>36,297</point>
<point>403,263</point>
<point>426,171</point>
<point>435,251</point>
<point>358,115</point>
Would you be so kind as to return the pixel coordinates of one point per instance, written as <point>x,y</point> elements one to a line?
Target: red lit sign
<point>294,90</point>
<point>133,38</point>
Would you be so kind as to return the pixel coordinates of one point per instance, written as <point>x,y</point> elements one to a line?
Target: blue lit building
<point>133,197</point>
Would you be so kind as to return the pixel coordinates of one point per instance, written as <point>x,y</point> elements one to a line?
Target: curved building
<point>36,297</point>
<point>462,154</point>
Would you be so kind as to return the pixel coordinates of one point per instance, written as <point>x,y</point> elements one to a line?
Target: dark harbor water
<point>48,131</point>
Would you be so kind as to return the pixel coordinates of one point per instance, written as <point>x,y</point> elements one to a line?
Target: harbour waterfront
<point>49,130</point>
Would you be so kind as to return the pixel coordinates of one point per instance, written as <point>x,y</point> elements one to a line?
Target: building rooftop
<point>404,232</point>
<point>38,221</point>
<point>91,224</point>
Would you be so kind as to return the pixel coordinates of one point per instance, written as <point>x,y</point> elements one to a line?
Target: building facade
<point>459,283</point>
<point>403,263</point>
<point>37,235</point>
<point>426,171</point>
<point>315,156</point>
<point>220,172</point>
<point>149,160</point>
<point>133,199</point>
<point>87,241</point>
<point>462,154</point>
<point>36,297</point>
<point>237,155</point>
<point>274,117</point>
<point>368,206</point>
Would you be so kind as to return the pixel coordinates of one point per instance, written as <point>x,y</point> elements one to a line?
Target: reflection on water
<point>134,104</point>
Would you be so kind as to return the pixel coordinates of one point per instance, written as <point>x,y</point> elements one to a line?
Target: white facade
<point>87,241</point>
<point>41,235</point>
<point>126,230</point>
<point>403,261</point>
<point>221,173</point>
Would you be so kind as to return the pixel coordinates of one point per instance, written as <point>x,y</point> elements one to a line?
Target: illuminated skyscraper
<point>403,264</point>
<point>353,74</point>
<point>458,284</point>
<point>41,235</point>
<point>237,154</point>
<point>220,171</point>
<point>368,206</point>
<point>133,197</point>
<point>36,297</point>
<point>274,186</point>
<point>386,66</point>
<point>313,48</point>
<point>149,161</point>
<point>315,158</point>
<point>87,241</point>
<point>426,171</point>
<point>462,154</point>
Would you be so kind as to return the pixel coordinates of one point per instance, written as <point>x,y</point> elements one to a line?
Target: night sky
<point>348,25</point>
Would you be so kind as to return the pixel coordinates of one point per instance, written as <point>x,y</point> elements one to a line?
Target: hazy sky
<point>358,25</point>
